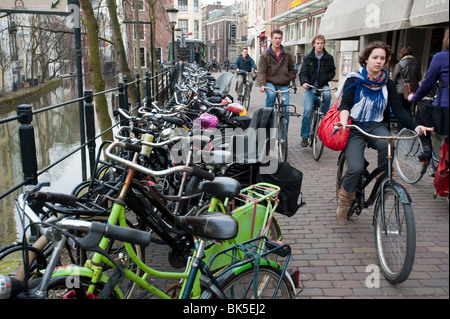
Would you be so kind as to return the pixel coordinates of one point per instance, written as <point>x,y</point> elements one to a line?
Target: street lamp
<point>178,35</point>
<point>172,12</point>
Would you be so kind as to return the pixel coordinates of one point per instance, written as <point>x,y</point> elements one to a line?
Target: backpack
<point>289,179</point>
<point>441,178</point>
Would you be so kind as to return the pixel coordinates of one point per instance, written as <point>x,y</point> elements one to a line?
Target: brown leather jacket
<point>270,70</point>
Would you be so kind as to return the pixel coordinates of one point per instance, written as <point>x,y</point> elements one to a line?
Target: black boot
<point>426,144</point>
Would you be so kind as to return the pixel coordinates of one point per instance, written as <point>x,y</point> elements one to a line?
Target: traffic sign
<point>26,6</point>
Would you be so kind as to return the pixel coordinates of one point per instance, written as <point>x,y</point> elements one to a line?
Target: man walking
<point>317,69</point>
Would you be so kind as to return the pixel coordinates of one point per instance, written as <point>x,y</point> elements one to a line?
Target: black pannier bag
<point>289,179</point>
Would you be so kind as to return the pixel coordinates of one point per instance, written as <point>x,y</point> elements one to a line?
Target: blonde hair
<point>318,36</point>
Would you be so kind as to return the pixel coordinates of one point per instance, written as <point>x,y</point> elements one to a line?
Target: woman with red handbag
<point>366,97</point>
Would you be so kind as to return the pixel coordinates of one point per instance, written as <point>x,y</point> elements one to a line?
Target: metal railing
<point>157,89</point>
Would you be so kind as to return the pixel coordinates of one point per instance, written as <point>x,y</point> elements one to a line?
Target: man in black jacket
<point>317,69</point>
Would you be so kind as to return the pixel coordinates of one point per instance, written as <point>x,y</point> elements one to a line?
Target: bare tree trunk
<point>120,49</point>
<point>96,78</point>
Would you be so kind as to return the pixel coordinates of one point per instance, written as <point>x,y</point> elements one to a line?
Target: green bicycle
<point>94,267</point>
<point>239,280</point>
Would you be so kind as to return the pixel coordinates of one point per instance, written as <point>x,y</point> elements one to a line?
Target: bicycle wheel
<point>244,286</point>
<point>396,244</point>
<point>282,140</point>
<point>406,159</point>
<point>317,144</point>
<point>11,261</point>
<point>246,98</point>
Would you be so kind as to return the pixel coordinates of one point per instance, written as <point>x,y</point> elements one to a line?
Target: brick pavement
<point>333,259</point>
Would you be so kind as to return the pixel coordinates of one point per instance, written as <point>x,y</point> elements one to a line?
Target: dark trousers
<point>354,151</point>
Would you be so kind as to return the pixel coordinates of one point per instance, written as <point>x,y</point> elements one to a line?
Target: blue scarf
<point>370,99</point>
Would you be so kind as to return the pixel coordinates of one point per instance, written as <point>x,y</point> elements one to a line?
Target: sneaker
<point>304,142</point>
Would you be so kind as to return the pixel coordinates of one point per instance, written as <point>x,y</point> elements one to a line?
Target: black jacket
<point>409,69</point>
<point>308,71</point>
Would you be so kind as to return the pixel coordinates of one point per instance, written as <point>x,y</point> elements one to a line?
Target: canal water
<point>57,132</point>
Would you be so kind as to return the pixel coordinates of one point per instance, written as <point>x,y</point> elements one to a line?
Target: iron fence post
<point>27,144</point>
<point>90,127</point>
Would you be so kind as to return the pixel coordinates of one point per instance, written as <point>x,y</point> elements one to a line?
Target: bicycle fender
<point>405,198</point>
<point>77,271</point>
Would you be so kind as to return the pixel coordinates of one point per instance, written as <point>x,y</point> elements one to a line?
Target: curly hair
<point>372,46</point>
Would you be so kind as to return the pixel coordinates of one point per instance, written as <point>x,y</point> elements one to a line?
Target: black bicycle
<point>393,218</point>
<point>283,113</point>
<point>244,99</point>
<point>316,117</point>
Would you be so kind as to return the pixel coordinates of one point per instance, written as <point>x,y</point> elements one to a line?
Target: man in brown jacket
<point>275,70</point>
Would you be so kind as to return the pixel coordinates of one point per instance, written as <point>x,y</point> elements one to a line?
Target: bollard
<point>90,127</point>
<point>138,90</point>
<point>27,144</point>
<point>148,93</point>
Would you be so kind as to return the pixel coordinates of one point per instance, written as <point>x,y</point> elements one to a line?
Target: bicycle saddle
<point>221,187</point>
<point>209,225</point>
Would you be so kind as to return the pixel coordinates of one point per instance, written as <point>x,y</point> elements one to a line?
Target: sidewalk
<point>335,261</point>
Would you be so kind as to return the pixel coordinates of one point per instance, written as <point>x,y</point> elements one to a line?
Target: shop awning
<point>300,9</point>
<point>428,12</point>
<point>351,18</point>
<point>250,42</point>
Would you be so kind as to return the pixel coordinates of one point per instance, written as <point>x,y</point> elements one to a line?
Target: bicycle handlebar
<point>279,91</point>
<point>190,170</point>
<point>339,127</point>
<point>320,90</point>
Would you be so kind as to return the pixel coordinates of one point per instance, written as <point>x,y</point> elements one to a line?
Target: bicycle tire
<point>282,142</point>
<point>239,286</point>
<point>11,261</point>
<point>406,159</point>
<point>246,98</point>
<point>317,144</point>
<point>395,255</point>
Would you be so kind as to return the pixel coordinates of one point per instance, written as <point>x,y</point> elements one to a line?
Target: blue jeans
<point>271,99</point>
<point>308,102</point>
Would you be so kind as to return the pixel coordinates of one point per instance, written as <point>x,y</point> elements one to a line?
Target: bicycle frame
<point>381,183</point>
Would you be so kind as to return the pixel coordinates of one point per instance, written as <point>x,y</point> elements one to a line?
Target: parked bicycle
<point>283,113</point>
<point>316,117</point>
<point>247,274</point>
<point>393,219</point>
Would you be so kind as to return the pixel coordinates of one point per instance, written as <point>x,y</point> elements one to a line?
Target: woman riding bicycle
<point>366,96</point>
<point>435,114</point>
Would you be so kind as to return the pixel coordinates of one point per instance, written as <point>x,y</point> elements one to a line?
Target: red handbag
<point>330,137</point>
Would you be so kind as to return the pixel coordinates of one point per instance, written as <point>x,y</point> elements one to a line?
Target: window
<point>142,57</point>
<point>302,29</point>
<point>196,6</point>
<point>184,25</point>
<point>196,29</point>
<point>183,5</point>
<point>141,28</point>
<point>291,32</point>
<point>140,5</point>
<point>232,31</point>
<point>315,24</point>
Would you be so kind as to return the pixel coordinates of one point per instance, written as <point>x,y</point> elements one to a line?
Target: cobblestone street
<point>334,261</point>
